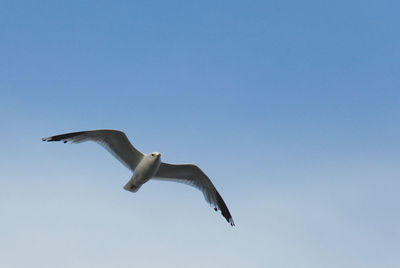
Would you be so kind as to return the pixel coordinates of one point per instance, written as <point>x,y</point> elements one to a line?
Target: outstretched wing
<point>114,141</point>
<point>194,176</point>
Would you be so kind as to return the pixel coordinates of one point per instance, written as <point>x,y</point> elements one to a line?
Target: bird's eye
<point>152,154</point>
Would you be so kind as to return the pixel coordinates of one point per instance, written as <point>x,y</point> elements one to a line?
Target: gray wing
<point>194,176</point>
<point>114,141</point>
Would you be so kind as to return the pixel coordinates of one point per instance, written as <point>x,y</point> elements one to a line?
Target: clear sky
<point>291,107</point>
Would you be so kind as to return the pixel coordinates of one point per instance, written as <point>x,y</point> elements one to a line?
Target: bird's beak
<point>158,154</point>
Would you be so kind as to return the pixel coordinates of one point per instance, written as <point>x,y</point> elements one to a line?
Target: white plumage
<point>148,166</point>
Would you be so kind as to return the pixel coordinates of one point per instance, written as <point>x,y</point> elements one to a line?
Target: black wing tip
<point>48,139</point>
<point>63,137</point>
<point>224,210</point>
<point>227,217</point>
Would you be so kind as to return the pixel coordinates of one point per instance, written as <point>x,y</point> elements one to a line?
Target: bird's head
<point>155,155</point>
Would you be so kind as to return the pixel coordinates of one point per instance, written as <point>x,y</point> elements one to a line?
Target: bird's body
<point>144,171</point>
<point>148,166</point>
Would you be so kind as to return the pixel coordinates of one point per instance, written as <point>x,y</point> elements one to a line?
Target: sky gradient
<point>292,109</point>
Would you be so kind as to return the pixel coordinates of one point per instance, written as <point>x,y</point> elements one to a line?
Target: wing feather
<point>192,175</point>
<point>114,141</point>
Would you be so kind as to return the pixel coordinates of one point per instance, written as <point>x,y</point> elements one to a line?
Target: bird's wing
<point>114,141</point>
<point>194,176</point>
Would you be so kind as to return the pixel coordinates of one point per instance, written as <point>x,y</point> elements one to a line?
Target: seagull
<point>148,166</point>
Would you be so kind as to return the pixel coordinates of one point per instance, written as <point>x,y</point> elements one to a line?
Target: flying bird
<point>148,166</point>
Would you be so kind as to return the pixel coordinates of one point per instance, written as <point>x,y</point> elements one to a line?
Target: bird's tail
<point>131,187</point>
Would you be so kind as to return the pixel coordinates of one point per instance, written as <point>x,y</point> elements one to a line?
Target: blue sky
<point>291,108</point>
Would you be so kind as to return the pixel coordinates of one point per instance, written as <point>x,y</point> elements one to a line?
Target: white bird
<point>148,166</point>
